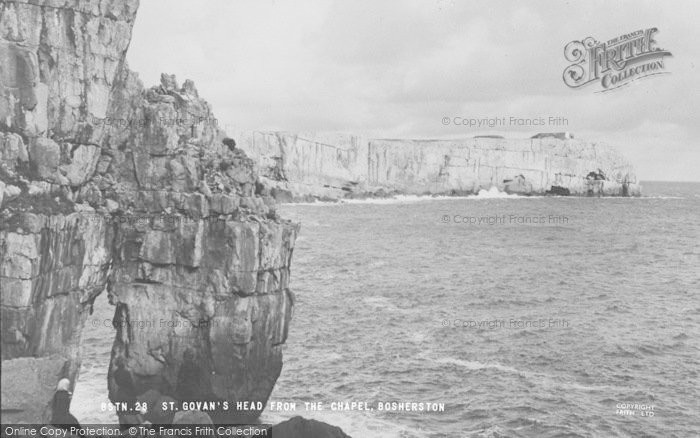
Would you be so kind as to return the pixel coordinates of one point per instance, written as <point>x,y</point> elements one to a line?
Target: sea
<point>499,315</point>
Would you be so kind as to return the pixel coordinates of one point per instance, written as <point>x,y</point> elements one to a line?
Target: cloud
<point>390,68</point>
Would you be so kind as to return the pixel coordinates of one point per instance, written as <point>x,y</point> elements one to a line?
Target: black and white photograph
<point>335,219</point>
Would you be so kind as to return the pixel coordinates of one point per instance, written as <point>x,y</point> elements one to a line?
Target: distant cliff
<point>306,166</point>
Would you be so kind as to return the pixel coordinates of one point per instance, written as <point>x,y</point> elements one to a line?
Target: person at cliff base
<point>60,411</point>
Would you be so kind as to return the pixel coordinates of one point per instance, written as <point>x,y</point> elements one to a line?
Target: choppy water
<point>376,282</point>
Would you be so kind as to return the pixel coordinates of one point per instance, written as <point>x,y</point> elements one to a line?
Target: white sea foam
<point>476,365</point>
<point>382,303</point>
<point>538,378</point>
<point>492,193</point>
<point>399,199</point>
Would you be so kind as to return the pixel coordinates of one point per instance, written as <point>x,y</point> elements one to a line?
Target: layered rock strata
<point>107,185</point>
<point>304,166</point>
<point>58,63</point>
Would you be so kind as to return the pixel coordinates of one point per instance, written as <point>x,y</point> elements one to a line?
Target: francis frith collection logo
<point>614,63</point>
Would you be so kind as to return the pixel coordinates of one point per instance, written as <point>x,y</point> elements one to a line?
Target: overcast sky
<point>397,68</point>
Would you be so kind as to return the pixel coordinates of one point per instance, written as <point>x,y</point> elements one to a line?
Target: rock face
<point>333,166</point>
<point>201,262</point>
<point>58,63</point>
<point>107,185</point>
<point>299,427</point>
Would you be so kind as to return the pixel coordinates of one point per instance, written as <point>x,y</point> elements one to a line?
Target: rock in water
<point>143,199</point>
<point>299,427</point>
<point>192,417</point>
<point>518,185</point>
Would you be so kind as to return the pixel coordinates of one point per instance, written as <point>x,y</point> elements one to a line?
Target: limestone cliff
<point>333,166</point>
<point>107,185</point>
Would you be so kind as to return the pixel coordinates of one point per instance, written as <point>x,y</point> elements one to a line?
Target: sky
<point>396,69</point>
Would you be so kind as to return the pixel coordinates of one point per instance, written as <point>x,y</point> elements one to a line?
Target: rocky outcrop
<point>201,258</point>
<point>308,166</point>
<point>107,185</point>
<point>299,427</point>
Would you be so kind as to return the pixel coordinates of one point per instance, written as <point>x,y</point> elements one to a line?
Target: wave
<point>580,387</point>
<point>491,193</point>
<point>621,352</point>
<point>494,193</point>
<point>643,197</point>
<point>474,365</point>
<point>543,380</point>
<point>488,432</point>
<point>385,304</point>
<point>398,199</point>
